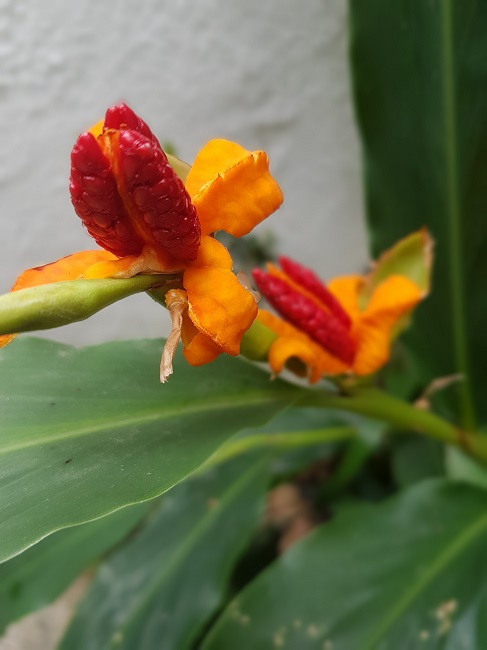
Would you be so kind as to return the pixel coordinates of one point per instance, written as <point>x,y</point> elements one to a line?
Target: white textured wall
<point>270,74</point>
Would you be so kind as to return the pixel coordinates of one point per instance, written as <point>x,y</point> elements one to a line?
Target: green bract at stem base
<point>60,303</point>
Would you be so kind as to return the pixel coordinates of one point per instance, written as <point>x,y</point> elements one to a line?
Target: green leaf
<point>180,167</point>
<point>419,73</point>
<point>410,573</point>
<point>85,432</point>
<point>463,468</point>
<point>171,578</point>
<point>411,257</point>
<point>37,576</point>
<point>415,459</point>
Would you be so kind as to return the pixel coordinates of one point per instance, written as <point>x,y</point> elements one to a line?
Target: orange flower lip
<point>128,195</point>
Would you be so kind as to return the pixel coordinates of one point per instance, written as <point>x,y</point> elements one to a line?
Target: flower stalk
<point>378,405</point>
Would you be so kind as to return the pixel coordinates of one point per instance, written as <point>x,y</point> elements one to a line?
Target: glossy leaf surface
<point>409,573</point>
<point>85,432</point>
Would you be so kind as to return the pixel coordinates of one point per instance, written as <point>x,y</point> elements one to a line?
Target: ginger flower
<point>148,221</point>
<point>346,326</point>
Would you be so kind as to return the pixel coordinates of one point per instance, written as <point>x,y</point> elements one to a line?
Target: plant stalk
<point>378,405</point>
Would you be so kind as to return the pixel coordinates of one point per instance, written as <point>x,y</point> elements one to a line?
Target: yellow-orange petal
<point>198,348</point>
<point>211,253</point>
<point>97,129</point>
<point>292,343</point>
<point>392,300</point>
<point>5,339</point>
<point>346,290</point>
<point>232,188</point>
<point>124,267</point>
<point>219,306</point>
<point>71,267</point>
<point>201,350</point>
<point>149,261</point>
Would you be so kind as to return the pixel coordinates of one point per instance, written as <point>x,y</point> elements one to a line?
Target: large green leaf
<point>160,589</point>
<point>85,432</point>
<point>420,81</point>
<point>37,576</point>
<point>410,573</point>
<point>415,459</point>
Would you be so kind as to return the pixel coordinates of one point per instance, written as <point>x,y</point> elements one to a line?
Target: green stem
<point>454,214</point>
<point>375,404</point>
<point>281,441</point>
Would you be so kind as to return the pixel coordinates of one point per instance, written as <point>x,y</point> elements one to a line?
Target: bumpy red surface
<point>142,202</point>
<point>163,205</point>
<point>323,327</point>
<point>310,281</point>
<point>96,199</point>
<point>122,117</point>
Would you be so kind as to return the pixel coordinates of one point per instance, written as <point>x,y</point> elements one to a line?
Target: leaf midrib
<point>222,404</point>
<point>447,555</point>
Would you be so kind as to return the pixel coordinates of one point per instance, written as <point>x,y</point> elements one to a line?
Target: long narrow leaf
<point>160,589</point>
<point>420,71</point>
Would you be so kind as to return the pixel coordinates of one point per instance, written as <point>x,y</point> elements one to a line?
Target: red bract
<point>127,194</point>
<point>322,326</point>
<point>311,282</point>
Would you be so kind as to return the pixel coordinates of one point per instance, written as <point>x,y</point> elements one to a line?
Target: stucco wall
<point>270,74</point>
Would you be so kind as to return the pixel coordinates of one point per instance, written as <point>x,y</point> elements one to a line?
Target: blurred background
<point>271,75</point>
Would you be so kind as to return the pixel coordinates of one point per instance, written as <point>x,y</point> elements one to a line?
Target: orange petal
<point>126,267</point>
<point>5,339</point>
<point>346,290</point>
<point>292,343</point>
<point>232,188</point>
<point>219,306</point>
<point>201,350</point>
<point>391,301</point>
<point>71,267</point>
<point>212,253</point>
<point>97,129</point>
<point>198,348</point>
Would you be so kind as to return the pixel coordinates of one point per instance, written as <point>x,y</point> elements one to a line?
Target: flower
<point>148,221</point>
<point>347,326</point>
